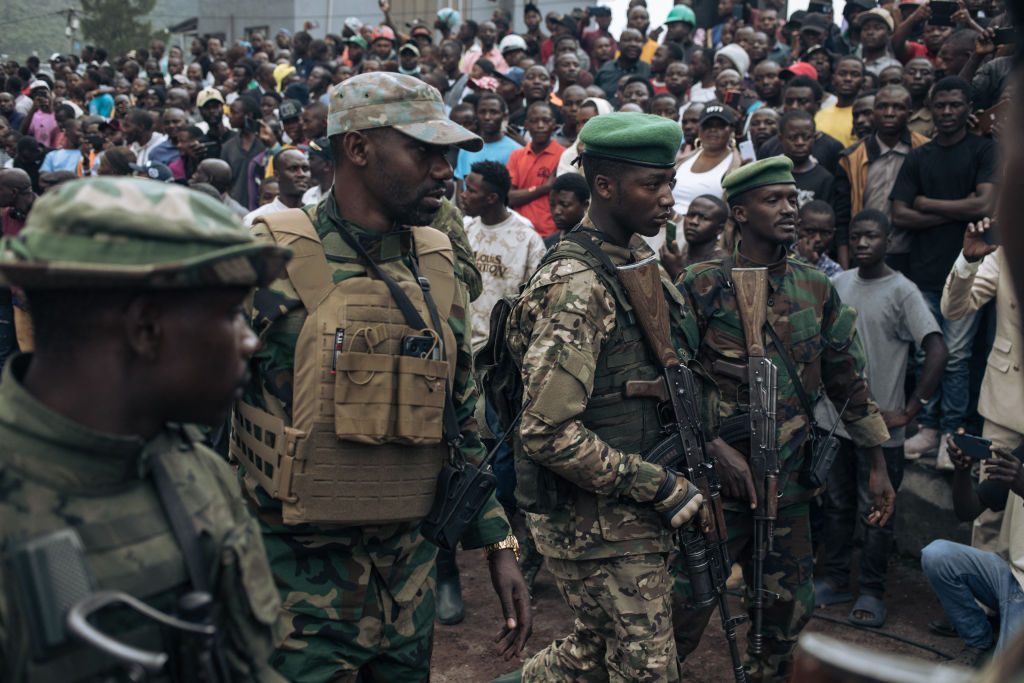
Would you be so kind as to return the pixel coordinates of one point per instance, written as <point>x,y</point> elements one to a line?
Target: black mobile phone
<point>737,11</point>
<point>942,12</point>
<point>421,346</point>
<point>732,98</point>
<point>973,447</point>
<point>1006,35</point>
<point>819,7</point>
<point>252,124</point>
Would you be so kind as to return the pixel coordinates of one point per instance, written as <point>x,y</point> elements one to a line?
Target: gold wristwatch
<point>509,541</point>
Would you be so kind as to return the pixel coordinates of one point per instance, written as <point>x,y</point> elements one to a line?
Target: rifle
<point>702,542</point>
<point>750,286</point>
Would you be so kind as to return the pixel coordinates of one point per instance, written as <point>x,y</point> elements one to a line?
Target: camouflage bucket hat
<point>132,232</point>
<point>407,104</point>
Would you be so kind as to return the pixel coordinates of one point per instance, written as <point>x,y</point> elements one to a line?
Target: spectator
<point>702,74</point>
<point>803,92</point>
<point>449,56</point>
<point>639,19</point>
<point>816,228</point>
<point>763,125</point>
<point>40,122</point>
<point>679,27</point>
<point>217,174</point>
<point>677,81</point>
<point>943,185</point>
<point>934,35</point>
<point>210,104</point>
<point>703,227</point>
<point>768,84</point>
<point>666,54</point>
<point>513,49</point>
<point>116,161</point>
<point>796,134</point>
<point>486,34</point>
<point>847,81</point>
<point>863,110</point>
<point>490,114</point>
<point>314,122</point>
<point>628,63</point>
<point>919,77</point>
<point>891,314</point>
<point>868,170</point>
<point>637,90</point>
<point>291,172</point>
<point>569,200</point>
<point>140,136</point>
<point>603,18</point>
<point>690,122</point>
<point>768,23</point>
<point>240,149</point>
<point>267,191</point>
<point>69,158</point>
<point>321,171</point>
<point>7,110</point>
<point>532,169</point>
<point>876,27</point>
<point>29,157</point>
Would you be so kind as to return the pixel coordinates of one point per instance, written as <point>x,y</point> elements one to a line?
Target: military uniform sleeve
<point>842,370</point>
<point>565,320</point>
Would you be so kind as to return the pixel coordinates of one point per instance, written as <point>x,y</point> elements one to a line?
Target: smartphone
<point>942,12</point>
<point>252,124</point>
<point>421,346</point>
<point>819,7</point>
<point>670,232</point>
<point>1005,36</point>
<point>737,11</point>
<point>747,153</point>
<point>732,98</point>
<point>973,447</point>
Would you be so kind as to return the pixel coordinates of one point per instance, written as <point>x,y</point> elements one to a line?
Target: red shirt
<point>529,168</point>
<point>916,50</point>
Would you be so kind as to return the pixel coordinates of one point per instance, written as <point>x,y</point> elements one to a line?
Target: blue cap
<point>514,74</point>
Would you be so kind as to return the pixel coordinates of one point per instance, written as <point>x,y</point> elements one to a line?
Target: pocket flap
<point>1002,344</point>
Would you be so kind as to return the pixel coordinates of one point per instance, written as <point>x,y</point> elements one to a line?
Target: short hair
<point>849,58</point>
<point>250,106</point>
<point>572,182</point>
<point>530,7</point>
<point>807,82</point>
<point>537,105</point>
<point>952,83</point>
<point>794,115</point>
<point>819,208</point>
<point>717,201</point>
<point>594,166</point>
<point>640,79</point>
<point>195,132</point>
<point>65,109</point>
<point>675,52</point>
<point>461,107</point>
<point>141,117</point>
<point>561,38</point>
<point>873,216</point>
<point>496,176</point>
<point>866,93</point>
<point>665,96</point>
<point>493,96</point>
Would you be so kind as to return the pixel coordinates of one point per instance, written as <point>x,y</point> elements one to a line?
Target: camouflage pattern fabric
<point>449,221</point>
<point>623,628</point>
<point>405,103</point>
<point>55,474</point>
<point>819,334</point>
<point>327,576</point>
<point>121,232</point>
<point>788,572</point>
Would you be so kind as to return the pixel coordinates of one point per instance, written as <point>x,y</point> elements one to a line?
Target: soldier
<point>136,291</point>
<point>342,434</point>
<point>577,342</point>
<point>819,335</point>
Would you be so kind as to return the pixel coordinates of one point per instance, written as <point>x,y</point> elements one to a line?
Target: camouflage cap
<point>382,99</point>
<point>111,232</point>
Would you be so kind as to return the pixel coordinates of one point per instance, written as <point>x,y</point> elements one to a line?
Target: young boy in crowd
<point>702,229</point>
<point>533,169</point>
<point>569,200</point>
<point>815,229</point>
<point>665,104</point>
<point>796,134</point>
<point>891,312</point>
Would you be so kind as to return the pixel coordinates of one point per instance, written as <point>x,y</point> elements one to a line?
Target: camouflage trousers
<point>327,638</point>
<point>623,628</point>
<point>788,572</point>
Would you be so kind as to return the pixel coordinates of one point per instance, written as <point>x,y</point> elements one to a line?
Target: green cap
<point>770,171</point>
<point>116,232</point>
<point>681,13</point>
<point>380,99</point>
<point>632,138</point>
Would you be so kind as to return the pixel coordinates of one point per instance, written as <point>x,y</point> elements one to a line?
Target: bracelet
<point>510,541</point>
<point>922,401</point>
<point>531,188</point>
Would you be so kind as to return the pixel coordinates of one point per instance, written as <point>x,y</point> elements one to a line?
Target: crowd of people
<point>877,133</point>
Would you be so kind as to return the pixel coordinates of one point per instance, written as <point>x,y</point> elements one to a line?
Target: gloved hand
<point>677,500</point>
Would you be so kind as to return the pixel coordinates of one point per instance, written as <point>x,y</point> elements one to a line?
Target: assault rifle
<point>751,289</point>
<point>703,542</point>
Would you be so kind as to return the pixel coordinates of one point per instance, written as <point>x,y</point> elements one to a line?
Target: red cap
<point>801,69</point>
<point>383,32</point>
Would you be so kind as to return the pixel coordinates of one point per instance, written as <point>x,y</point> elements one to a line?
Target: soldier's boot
<point>530,561</point>
<point>511,677</point>
<point>450,610</point>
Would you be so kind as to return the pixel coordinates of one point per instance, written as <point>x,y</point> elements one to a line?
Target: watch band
<point>509,541</point>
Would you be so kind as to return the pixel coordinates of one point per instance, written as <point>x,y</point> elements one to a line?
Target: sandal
<point>824,594</point>
<point>871,605</point>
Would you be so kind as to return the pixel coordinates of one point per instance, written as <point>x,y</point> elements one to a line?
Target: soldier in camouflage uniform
<point>574,331</point>
<point>136,291</point>
<point>819,334</point>
<point>359,599</point>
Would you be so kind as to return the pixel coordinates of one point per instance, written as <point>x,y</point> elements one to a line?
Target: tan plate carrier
<point>365,444</point>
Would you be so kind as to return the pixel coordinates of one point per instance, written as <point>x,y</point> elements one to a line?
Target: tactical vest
<point>627,424</point>
<point>365,442</point>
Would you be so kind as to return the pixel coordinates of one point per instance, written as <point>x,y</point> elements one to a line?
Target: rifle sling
<point>181,524</point>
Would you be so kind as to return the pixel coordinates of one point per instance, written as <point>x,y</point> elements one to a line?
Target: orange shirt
<point>528,169</point>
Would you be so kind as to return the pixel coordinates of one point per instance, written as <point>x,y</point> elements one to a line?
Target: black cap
<point>289,109</point>
<point>816,21</point>
<point>717,111</point>
<point>796,19</point>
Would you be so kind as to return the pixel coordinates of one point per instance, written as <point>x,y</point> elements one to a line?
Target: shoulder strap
<point>181,523</point>
<point>805,401</point>
<point>431,245</point>
<point>308,270</point>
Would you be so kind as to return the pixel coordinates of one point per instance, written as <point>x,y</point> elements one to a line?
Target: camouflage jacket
<point>449,221</point>
<point>558,330</point>
<point>398,551</point>
<point>54,474</point>
<point>820,336</point>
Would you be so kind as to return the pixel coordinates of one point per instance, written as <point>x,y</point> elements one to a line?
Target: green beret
<point>632,138</point>
<point>133,232</point>
<point>770,171</point>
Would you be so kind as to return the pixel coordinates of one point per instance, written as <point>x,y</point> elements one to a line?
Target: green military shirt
<point>54,473</point>
<point>559,329</point>
<point>398,551</point>
<point>819,334</point>
<point>449,221</point>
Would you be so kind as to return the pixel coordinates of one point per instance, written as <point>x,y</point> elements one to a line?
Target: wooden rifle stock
<point>642,281</point>
<point>750,286</point>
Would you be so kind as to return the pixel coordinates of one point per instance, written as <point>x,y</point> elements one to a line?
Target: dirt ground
<point>465,654</point>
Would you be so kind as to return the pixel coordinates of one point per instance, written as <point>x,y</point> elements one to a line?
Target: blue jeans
<point>959,574</point>
<point>947,409</point>
<point>504,466</point>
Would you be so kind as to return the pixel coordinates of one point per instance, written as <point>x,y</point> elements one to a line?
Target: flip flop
<point>871,605</point>
<point>825,595</point>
